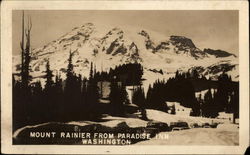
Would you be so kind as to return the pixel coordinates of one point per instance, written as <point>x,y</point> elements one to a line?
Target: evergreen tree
<point>37,103</point>
<point>139,99</point>
<point>22,49</point>
<point>70,73</point>
<point>48,76</point>
<point>22,112</point>
<point>26,60</point>
<point>92,97</point>
<point>49,96</point>
<point>124,94</point>
<point>208,108</point>
<point>58,95</point>
<point>91,71</point>
<point>70,90</point>
<point>118,97</point>
<point>148,97</point>
<point>78,106</point>
<point>84,91</point>
<point>114,96</point>
<point>25,98</point>
<point>156,96</point>
<point>235,103</point>
<point>195,74</point>
<point>222,95</point>
<point>128,74</point>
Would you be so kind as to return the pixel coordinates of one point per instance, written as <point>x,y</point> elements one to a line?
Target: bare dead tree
<point>22,48</point>
<point>26,54</point>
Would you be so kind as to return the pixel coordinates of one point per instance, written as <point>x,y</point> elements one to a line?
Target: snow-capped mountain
<point>110,46</point>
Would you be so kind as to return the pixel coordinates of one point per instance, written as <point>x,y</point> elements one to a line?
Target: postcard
<point>124,77</point>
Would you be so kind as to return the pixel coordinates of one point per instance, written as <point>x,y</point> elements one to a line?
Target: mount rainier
<point>160,55</point>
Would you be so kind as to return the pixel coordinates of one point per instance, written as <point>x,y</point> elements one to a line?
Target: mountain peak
<point>109,46</point>
<point>218,53</point>
<point>144,33</point>
<point>87,24</point>
<point>181,40</point>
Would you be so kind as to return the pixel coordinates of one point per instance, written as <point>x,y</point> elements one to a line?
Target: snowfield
<point>224,134</point>
<point>197,136</point>
<point>108,46</point>
<point>111,121</point>
<point>168,118</point>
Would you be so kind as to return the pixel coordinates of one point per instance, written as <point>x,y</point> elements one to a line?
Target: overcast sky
<point>207,29</point>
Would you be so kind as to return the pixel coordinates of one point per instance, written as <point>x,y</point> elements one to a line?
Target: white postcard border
<point>6,75</point>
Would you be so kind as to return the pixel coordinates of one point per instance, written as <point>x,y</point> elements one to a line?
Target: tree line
<point>182,88</point>
<point>75,98</point>
<point>129,74</point>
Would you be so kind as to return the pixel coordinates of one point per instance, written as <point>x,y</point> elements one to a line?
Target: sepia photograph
<point>125,77</point>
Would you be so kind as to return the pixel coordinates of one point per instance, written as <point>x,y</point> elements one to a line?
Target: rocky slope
<point>109,46</point>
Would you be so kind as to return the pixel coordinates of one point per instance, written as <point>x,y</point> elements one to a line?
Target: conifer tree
<point>49,94</point>
<point>69,90</point>
<point>208,108</point>
<point>58,95</point>
<point>48,76</point>
<point>222,95</point>
<point>22,49</point>
<point>25,93</point>
<point>26,60</point>
<point>124,94</point>
<point>139,99</point>
<point>83,99</point>
<point>195,74</point>
<point>118,97</point>
<point>58,83</point>
<point>114,97</point>
<point>70,65</point>
<point>149,97</point>
<point>21,91</point>
<point>156,97</point>
<point>91,71</point>
<point>84,90</point>
<point>234,103</point>
<point>69,74</point>
<point>92,97</point>
<point>37,102</point>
